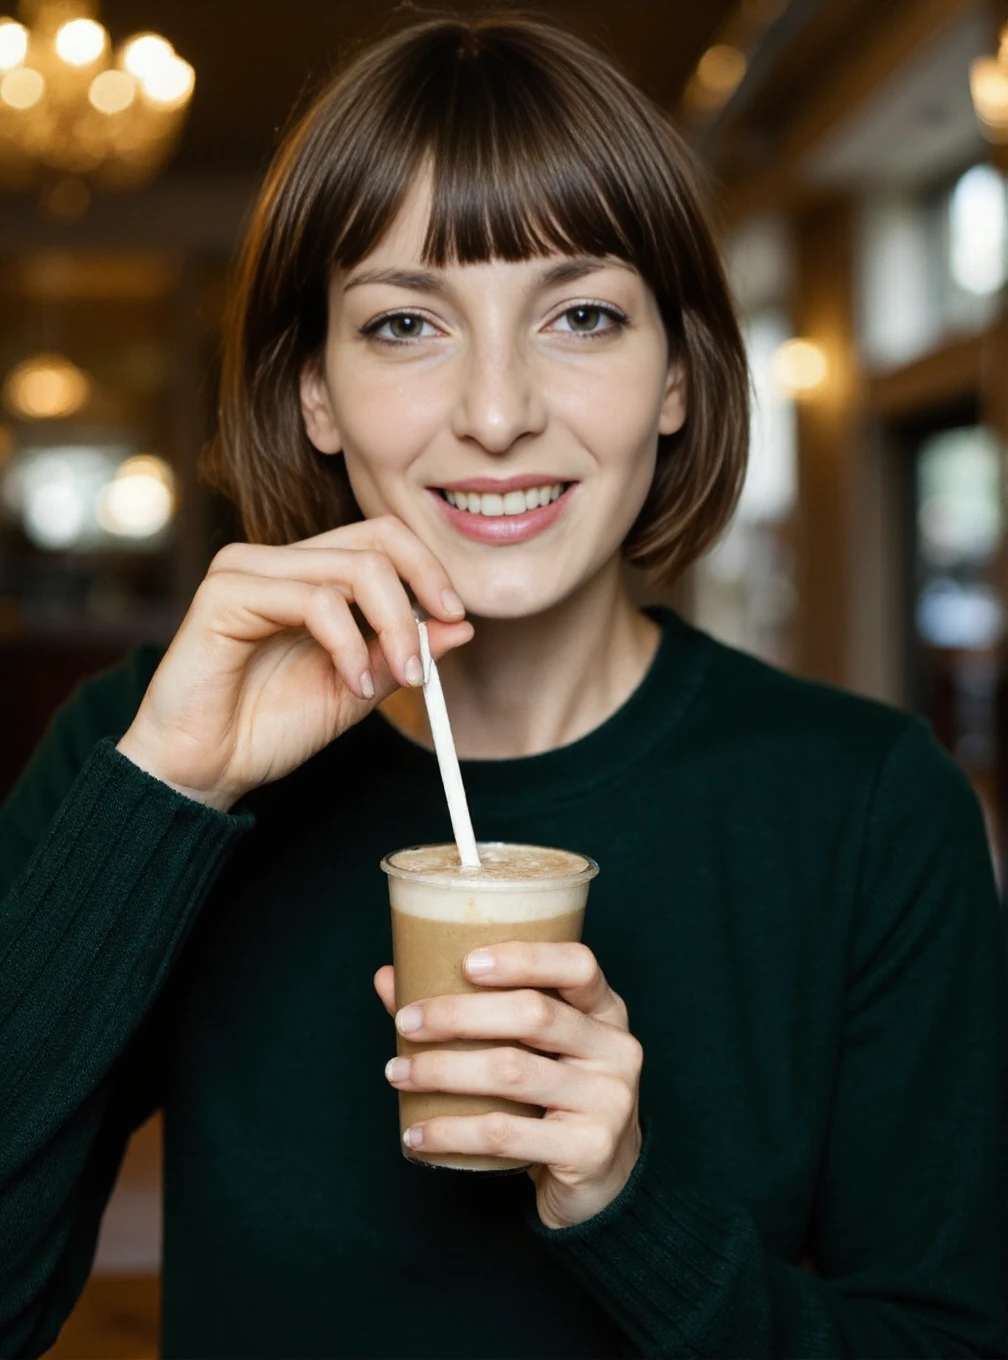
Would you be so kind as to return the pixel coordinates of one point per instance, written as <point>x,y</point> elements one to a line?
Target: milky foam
<point>514,882</point>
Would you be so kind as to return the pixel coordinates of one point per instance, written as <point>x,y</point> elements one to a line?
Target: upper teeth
<point>513,503</point>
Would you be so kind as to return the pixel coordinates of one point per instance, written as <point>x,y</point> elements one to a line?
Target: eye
<point>398,327</point>
<point>590,318</point>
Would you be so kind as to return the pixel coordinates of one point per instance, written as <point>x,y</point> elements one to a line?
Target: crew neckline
<point>645,718</point>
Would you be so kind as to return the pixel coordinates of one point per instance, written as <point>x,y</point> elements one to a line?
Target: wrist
<point>130,746</point>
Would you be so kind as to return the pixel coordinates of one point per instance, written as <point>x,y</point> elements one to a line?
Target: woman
<point>482,353</point>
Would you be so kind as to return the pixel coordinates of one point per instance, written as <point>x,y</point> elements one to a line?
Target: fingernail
<point>413,1137</point>
<point>452,602</point>
<point>367,684</point>
<point>398,1069</point>
<point>408,1021</point>
<point>480,962</point>
<point>414,671</point>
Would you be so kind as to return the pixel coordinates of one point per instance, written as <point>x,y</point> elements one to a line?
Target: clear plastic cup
<point>440,912</point>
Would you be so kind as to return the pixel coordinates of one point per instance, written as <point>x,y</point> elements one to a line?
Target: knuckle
<point>445,1016</point>
<point>585,962</point>
<point>622,1102</point>
<point>325,598</point>
<point>509,1067</point>
<point>210,590</point>
<point>428,1070</point>
<point>373,564</point>
<point>226,558</point>
<point>391,528</point>
<point>600,1146</point>
<point>498,1132</point>
<point>634,1055</point>
<point>537,1012</point>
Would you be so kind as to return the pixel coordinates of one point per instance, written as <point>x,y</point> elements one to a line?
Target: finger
<point>239,606</point>
<point>412,559</point>
<point>384,983</point>
<point>325,561</point>
<point>381,597</point>
<point>330,617</point>
<point>528,1016</point>
<point>443,637</point>
<point>512,1073</point>
<point>365,576</point>
<point>575,1144</point>
<point>567,967</point>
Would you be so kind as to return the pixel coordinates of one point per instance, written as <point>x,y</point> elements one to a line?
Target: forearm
<point>683,1277</point>
<point>88,932</point>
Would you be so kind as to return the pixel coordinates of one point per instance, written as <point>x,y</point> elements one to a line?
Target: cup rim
<point>464,881</point>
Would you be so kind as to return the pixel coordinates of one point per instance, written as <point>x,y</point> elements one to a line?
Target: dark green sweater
<point>795,901</point>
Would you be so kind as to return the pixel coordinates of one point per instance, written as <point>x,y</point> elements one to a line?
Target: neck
<point>523,686</point>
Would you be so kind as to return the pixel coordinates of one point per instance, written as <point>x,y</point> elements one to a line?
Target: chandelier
<point>73,111</point>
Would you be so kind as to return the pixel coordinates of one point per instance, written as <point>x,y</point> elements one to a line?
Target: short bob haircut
<point>537,143</point>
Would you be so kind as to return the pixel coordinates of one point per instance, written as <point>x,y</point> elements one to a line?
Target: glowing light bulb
<point>13,44</point>
<point>170,86</point>
<point>112,91</point>
<point>139,501</point>
<point>146,54</point>
<point>989,90</point>
<point>47,387</point>
<point>80,42</point>
<point>22,88</point>
<point>800,367</point>
<point>720,69</point>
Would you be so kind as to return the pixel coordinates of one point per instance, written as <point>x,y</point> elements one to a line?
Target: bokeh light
<point>80,42</point>
<point>800,367</point>
<point>13,44</point>
<point>46,387</point>
<point>112,91</point>
<point>139,501</point>
<point>171,85</point>
<point>22,88</point>
<point>146,54</point>
<point>978,231</point>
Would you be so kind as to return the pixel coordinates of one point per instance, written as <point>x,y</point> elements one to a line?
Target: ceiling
<point>919,126</point>
<point>256,59</point>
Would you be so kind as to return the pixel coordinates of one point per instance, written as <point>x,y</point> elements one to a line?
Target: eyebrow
<point>430,281</point>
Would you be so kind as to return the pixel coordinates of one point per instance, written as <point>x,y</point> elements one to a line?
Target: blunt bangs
<point>534,143</point>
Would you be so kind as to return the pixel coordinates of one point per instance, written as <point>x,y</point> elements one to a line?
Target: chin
<point>511,599</point>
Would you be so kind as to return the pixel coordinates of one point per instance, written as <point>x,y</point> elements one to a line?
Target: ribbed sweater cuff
<point>658,1257</point>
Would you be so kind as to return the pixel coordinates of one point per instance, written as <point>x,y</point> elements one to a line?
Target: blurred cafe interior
<point>856,159</point>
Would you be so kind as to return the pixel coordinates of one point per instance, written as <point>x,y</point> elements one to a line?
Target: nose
<point>499,399</point>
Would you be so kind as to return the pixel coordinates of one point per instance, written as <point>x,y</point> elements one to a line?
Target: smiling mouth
<point>494,505</point>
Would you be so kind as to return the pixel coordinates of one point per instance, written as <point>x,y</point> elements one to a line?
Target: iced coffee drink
<point>440,912</point>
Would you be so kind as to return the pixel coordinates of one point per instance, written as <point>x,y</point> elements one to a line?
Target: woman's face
<point>491,386</point>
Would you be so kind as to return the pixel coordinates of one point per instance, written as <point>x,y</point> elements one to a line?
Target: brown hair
<point>537,143</point>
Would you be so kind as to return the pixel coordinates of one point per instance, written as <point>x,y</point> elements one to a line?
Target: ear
<point>316,410</point>
<point>673,409</point>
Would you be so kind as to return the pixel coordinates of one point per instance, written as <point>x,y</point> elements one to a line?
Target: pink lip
<point>504,529</point>
<point>502,485</point>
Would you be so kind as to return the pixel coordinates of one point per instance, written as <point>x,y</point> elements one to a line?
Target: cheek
<point>614,411</point>
<point>385,420</point>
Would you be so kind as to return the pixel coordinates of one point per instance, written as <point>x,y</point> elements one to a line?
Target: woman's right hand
<point>269,664</point>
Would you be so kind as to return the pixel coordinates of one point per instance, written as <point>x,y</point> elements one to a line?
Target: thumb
<point>384,984</point>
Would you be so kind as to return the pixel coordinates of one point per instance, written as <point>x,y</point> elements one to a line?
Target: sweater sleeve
<point>920,1106</point>
<point>102,869</point>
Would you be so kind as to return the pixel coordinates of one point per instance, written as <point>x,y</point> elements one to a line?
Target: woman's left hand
<point>586,1075</point>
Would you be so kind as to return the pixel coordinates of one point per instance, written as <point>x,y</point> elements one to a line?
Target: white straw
<point>451,775</point>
